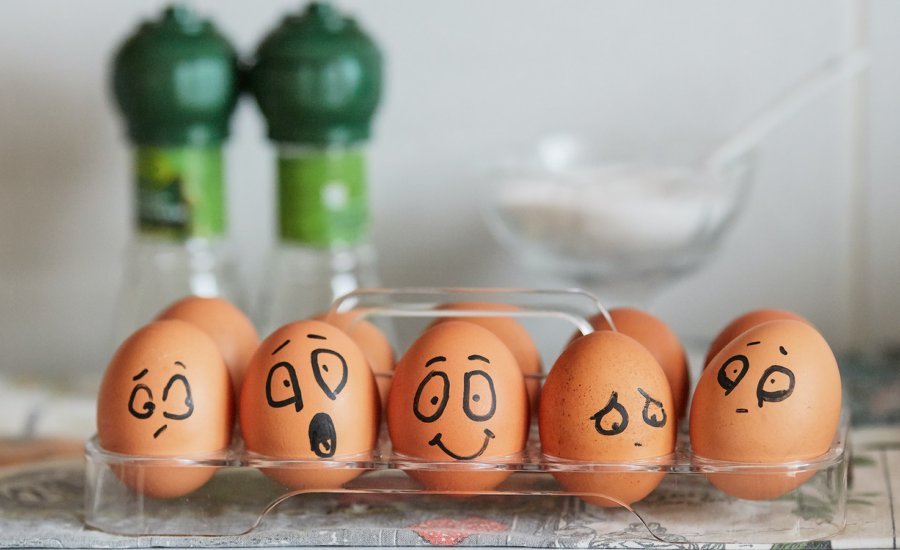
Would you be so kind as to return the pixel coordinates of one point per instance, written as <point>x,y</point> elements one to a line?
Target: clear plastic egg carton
<point>239,498</point>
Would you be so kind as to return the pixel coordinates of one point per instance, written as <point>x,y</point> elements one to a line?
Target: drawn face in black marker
<point>479,400</point>
<point>775,385</point>
<point>613,418</point>
<point>329,370</point>
<point>176,399</point>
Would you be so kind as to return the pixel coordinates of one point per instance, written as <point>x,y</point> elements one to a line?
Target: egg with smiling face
<point>771,395</point>
<point>309,394</point>
<point>458,396</point>
<point>165,393</point>
<point>606,399</point>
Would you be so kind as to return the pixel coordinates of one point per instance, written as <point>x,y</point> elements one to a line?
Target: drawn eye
<point>282,376</point>
<point>479,398</point>
<point>611,419</point>
<point>776,384</point>
<point>184,397</point>
<point>654,414</point>
<point>330,371</point>
<point>148,406</point>
<point>432,396</point>
<point>731,373</point>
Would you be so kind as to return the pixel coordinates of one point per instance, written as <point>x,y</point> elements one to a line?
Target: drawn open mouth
<point>322,436</point>
<point>741,410</point>
<point>436,440</point>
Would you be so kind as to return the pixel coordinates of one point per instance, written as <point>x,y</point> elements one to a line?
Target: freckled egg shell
<point>744,323</point>
<point>459,397</point>
<point>771,395</point>
<point>510,333</point>
<point>226,325</point>
<point>660,341</point>
<point>371,341</point>
<point>309,394</point>
<point>165,393</point>
<point>606,399</point>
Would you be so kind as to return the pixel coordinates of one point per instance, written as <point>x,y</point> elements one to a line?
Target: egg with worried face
<point>309,394</point>
<point>166,392</point>
<point>771,395</point>
<point>606,399</point>
<point>458,396</point>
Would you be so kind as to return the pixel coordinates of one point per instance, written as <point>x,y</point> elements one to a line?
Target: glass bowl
<point>607,216</point>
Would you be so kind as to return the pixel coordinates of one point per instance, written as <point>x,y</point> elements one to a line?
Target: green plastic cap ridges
<point>176,81</point>
<point>317,79</point>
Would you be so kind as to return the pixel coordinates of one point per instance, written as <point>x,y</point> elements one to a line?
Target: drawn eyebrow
<point>479,358</point>
<point>286,342</point>
<point>140,375</point>
<point>782,350</point>
<point>753,343</point>
<point>180,363</point>
<point>433,360</point>
<point>316,337</point>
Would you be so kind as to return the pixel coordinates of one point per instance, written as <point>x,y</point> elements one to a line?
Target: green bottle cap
<point>175,81</point>
<point>317,79</point>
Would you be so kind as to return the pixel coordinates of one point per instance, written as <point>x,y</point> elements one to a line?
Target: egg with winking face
<point>165,393</point>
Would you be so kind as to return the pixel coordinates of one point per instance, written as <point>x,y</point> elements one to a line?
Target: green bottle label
<point>322,197</point>
<point>180,192</point>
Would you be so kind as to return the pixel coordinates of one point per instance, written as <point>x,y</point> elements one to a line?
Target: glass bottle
<point>317,79</point>
<point>175,83</point>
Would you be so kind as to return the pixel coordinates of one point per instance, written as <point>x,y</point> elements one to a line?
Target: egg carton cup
<point>684,508</point>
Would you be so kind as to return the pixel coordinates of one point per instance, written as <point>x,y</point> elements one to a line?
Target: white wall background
<point>466,80</point>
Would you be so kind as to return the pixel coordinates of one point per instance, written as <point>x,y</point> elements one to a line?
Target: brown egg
<point>660,341</point>
<point>227,325</point>
<point>309,394</point>
<point>371,341</point>
<point>510,333</point>
<point>606,399</point>
<point>771,395</point>
<point>744,323</point>
<point>166,393</point>
<point>458,396</point>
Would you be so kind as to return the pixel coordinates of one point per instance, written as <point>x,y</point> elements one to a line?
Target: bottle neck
<point>180,193</point>
<point>323,197</point>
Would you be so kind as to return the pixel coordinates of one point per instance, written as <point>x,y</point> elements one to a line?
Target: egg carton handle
<point>409,302</point>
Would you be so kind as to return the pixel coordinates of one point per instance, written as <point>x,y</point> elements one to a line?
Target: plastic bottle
<point>317,79</point>
<point>175,83</point>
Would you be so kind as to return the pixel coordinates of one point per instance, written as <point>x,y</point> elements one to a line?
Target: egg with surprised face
<point>606,399</point>
<point>458,396</point>
<point>309,394</point>
<point>166,392</point>
<point>771,395</point>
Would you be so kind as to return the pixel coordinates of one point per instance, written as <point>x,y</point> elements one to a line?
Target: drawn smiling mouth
<point>436,440</point>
